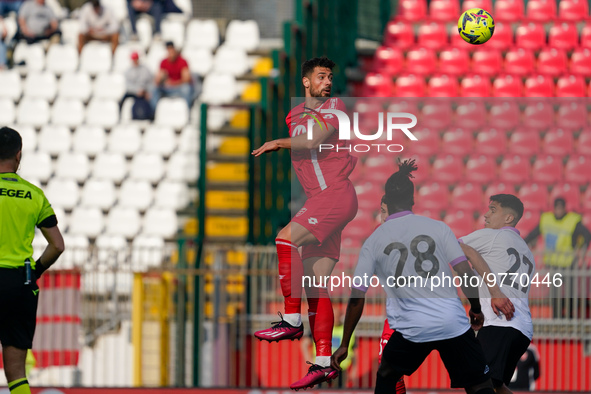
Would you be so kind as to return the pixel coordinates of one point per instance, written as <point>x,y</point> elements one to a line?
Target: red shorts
<point>386,334</point>
<point>325,215</point>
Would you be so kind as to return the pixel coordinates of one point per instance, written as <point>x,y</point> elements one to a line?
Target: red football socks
<point>291,271</point>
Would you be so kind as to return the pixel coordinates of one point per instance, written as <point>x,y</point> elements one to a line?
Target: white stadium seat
<point>33,55</point>
<point>160,222</point>
<point>136,194</point>
<point>7,111</point>
<point>156,55</point>
<point>55,139</point>
<point>219,89</point>
<point>62,193</point>
<point>126,110</point>
<point>172,112</point>
<point>159,139</point>
<point>125,222</point>
<point>67,112</point>
<point>146,251</point>
<point>70,30</point>
<point>183,167</point>
<point>33,112</point>
<point>28,134</point>
<point>36,165</point>
<point>98,193</point>
<point>108,165</point>
<point>90,140</point>
<point>62,59</point>
<point>103,113</point>
<point>231,61</point>
<point>73,165</point>
<point>173,30</point>
<point>122,58</point>
<point>147,167</point>
<point>109,86</point>
<point>144,31</point>
<point>96,58</point>
<point>203,34</point>
<point>243,34</point>
<point>39,244</point>
<point>75,86</point>
<point>119,8</point>
<point>189,140</point>
<point>11,27</point>
<point>11,85</point>
<point>125,139</point>
<point>172,195</point>
<point>62,218</point>
<point>76,253</point>
<point>41,85</point>
<point>200,60</point>
<point>86,221</point>
<point>112,250</point>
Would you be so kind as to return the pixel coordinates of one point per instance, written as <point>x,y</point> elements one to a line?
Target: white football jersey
<point>506,252</point>
<point>411,245</point>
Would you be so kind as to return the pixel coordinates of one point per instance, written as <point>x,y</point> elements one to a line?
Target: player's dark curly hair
<point>10,143</point>
<point>510,201</point>
<point>309,65</point>
<point>399,188</point>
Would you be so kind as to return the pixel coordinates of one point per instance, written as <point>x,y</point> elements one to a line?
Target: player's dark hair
<point>399,188</point>
<point>509,201</point>
<point>559,201</point>
<point>309,65</point>
<point>10,143</point>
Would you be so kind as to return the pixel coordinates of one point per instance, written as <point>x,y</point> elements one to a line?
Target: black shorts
<point>503,346</point>
<point>18,308</point>
<point>462,356</point>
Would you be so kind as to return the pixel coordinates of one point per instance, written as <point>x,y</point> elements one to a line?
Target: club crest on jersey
<point>313,221</point>
<point>301,212</point>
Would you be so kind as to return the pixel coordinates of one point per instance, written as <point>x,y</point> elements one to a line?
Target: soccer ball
<point>476,26</point>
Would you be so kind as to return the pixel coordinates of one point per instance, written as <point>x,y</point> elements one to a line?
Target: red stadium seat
<point>461,222</point>
<point>563,35</point>
<point>577,171</point>
<point>379,168</point>
<point>432,35</point>
<point>487,61</point>
<point>399,34</point>
<point>584,143</point>
<point>539,86</point>
<point>475,86</point>
<point>410,85</point>
<point>458,42</point>
<point>444,10</point>
<point>570,86</point>
<point>436,114</point>
<point>368,110</point>
<point>447,169</point>
<point>570,193</point>
<point>558,142</point>
<point>497,188</point>
<point>422,162</point>
<point>504,115</point>
<point>538,115</point>
<point>388,61</point>
<point>530,35</point>
<point>470,115</point>
<point>528,221</point>
<point>573,10</point>
<point>586,36</point>
<point>547,169</point>
<point>491,142</point>
<point>502,38</point>
<point>433,196</point>
<point>412,10</point>
<point>377,85</point>
<point>443,86</point>
<point>484,4</point>
<point>534,196</point>
<point>507,86</point>
<point>525,142</point>
<point>541,10</point>
<point>467,196</point>
<point>508,10</point>
<point>457,142</point>
<point>428,143</point>
<point>454,61</point>
<point>586,200</point>
<point>552,61</point>
<point>580,62</point>
<point>572,114</point>
<point>519,61</point>
<point>421,61</point>
<point>515,169</point>
<point>481,169</point>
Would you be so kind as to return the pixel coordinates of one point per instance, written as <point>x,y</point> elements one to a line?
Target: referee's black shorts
<point>18,308</point>
<point>462,356</point>
<point>503,347</point>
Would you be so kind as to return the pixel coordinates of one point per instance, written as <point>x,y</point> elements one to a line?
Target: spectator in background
<point>3,34</point>
<point>98,23</point>
<point>36,22</point>
<point>155,8</point>
<point>173,79</point>
<point>138,80</point>
<point>527,371</point>
<point>7,6</point>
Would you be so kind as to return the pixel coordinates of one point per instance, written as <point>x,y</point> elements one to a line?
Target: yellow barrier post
<point>137,320</point>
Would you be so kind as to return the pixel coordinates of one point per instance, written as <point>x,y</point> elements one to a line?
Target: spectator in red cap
<point>138,80</point>
<point>173,79</point>
<point>98,22</point>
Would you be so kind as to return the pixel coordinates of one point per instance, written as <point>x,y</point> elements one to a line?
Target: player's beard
<point>318,93</point>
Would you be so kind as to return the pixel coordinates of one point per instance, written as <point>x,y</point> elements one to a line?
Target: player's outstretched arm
<point>319,135</point>
<point>354,312</point>
<point>272,146</point>
<point>499,302</point>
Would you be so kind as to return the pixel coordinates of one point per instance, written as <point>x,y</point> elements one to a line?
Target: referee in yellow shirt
<point>22,207</point>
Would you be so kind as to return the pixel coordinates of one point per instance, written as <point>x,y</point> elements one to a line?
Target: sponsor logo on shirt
<point>301,212</point>
<point>313,221</point>
<point>15,193</point>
